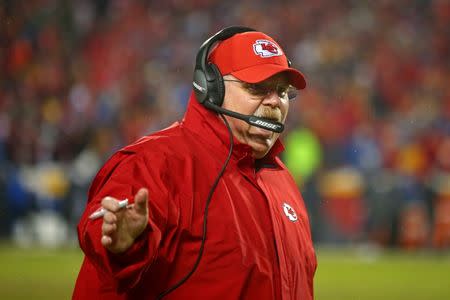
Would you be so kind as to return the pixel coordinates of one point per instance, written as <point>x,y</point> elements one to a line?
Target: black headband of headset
<point>202,55</point>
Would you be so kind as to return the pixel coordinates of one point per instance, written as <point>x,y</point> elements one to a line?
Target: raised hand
<point>121,227</point>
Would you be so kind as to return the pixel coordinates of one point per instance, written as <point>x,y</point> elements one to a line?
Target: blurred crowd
<point>368,141</point>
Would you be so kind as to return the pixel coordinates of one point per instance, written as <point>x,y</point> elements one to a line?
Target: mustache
<point>269,113</point>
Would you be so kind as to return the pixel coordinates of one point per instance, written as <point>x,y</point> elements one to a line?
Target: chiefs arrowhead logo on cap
<point>289,212</point>
<point>265,48</point>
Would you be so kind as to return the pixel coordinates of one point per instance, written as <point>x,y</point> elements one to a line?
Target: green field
<point>342,274</point>
<point>353,275</point>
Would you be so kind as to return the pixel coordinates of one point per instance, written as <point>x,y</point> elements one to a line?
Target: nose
<point>272,99</point>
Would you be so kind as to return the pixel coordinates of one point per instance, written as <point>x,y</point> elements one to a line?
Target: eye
<point>287,91</point>
<point>282,91</point>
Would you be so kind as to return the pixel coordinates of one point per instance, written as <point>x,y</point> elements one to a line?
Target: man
<point>215,213</point>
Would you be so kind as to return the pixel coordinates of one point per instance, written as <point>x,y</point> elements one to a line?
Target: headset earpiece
<point>200,84</point>
<point>213,81</point>
<point>216,87</point>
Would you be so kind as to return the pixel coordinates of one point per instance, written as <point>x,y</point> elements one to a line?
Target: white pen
<point>101,212</point>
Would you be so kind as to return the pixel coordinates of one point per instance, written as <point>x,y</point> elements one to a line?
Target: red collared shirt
<point>258,243</point>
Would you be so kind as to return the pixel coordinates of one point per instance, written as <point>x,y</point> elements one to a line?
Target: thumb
<point>141,201</point>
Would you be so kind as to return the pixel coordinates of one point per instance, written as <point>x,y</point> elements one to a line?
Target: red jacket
<point>258,240</point>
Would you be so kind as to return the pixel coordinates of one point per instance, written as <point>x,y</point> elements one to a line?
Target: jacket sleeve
<point>121,177</point>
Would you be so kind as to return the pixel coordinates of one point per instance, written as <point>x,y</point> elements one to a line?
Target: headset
<point>209,87</point>
<point>209,90</point>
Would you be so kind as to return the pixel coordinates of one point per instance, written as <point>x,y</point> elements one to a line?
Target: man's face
<point>266,99</point>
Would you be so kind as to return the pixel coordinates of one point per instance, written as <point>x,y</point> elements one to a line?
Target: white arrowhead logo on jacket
<point>289,212</point>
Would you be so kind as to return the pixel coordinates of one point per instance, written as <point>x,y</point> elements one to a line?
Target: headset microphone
<point>252,120</point>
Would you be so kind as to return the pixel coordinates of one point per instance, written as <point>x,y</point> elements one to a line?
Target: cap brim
<point>259,73</point>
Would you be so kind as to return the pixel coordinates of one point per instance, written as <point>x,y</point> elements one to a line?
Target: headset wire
<point>205,216</point>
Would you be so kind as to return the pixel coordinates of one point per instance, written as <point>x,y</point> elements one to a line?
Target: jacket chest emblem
<point>289,212</point>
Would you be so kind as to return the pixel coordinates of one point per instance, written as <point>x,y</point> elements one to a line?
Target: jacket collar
<point>210,128</point>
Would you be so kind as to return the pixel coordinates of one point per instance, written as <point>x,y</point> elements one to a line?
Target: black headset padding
<point>206,74</point>
<point>216,88</point>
